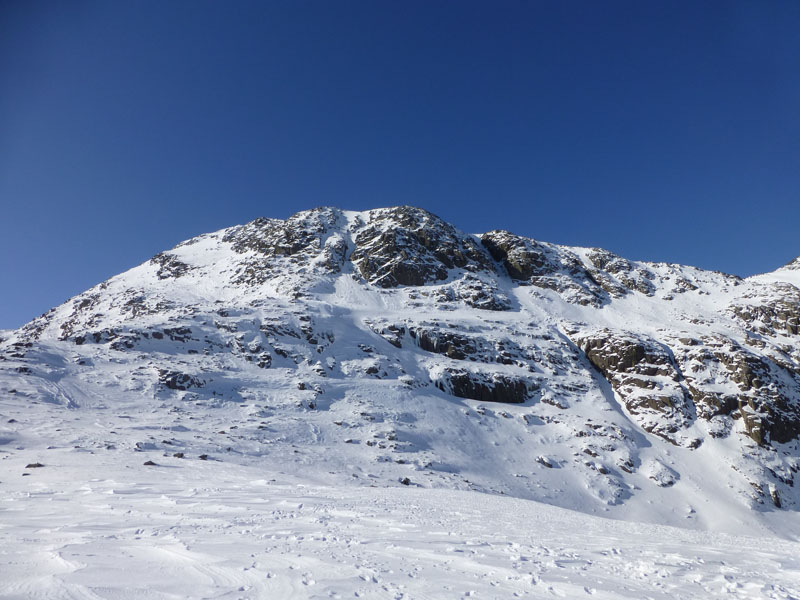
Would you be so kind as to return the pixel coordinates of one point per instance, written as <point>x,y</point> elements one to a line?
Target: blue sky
<point>664,131</point>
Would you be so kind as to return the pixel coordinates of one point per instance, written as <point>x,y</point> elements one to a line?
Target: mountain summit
<point>387,347</point>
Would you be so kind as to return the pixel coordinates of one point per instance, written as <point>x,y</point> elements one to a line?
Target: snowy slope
<point>196,530</point>
<point>354,352</point>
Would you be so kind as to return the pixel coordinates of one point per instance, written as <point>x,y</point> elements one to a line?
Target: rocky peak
<point>273,246</point>
<point>793,265</point>
<point>299,233</point>
<point>410,246</point>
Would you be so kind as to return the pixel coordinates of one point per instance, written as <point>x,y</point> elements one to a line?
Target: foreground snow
<point>207,529</point>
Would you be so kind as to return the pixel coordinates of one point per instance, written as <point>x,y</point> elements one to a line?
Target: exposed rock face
<point>178,381</point>
<point>631,276</point>
<point>645,376</point>
<point>300,234</point>
<point>274,247</point>
<point>665,389</point>
<point>793,265</point>
<point>449,343</point>
<point>412,247</point>
<point>391,332</point>
<point>471,290</point>
<point>485,387</point>
<point>544,266</point>
<point>169,266</point>
<point>522,258</point>
<point>773,311</point>
<point>728,381</point>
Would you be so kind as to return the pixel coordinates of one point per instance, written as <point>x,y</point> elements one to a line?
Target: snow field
<point>217,530</point>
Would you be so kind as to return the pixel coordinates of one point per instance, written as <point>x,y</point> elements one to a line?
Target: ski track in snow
<point>215,530</point>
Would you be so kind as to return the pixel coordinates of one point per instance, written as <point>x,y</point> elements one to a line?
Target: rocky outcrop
<point>169,266</point>
<point>544,266</point>
<point>713,378</point>
<point>450,343</point>
<point>175,380</point>
<point>408,246</point>
<point>793,265</point>
<point>482,386</point>
<point>646,378</point>
<point>391,332</point>
<point>631,276</point>
<point>773,311</point>
<point>473,291</point>
<point>273,248</point>
<point>731,382</point>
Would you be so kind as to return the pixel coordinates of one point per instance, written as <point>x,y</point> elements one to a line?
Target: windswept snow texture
<point>204,530</point>
<point>378,404</point>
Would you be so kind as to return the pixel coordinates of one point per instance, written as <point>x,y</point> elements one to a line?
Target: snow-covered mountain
<point>388,348</point>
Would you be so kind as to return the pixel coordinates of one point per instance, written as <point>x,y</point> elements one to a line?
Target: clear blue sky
<point>661,130</point>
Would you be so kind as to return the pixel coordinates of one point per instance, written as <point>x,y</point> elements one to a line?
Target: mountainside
<point>386,347</point>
